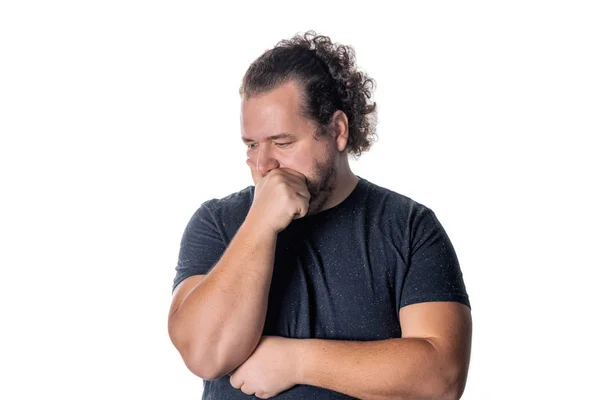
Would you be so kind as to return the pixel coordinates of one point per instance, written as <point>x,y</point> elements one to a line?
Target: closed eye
<point>280,145</point>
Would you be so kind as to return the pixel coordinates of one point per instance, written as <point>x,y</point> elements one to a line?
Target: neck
<point>344,183</point>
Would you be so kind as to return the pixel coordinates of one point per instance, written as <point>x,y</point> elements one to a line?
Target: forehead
<point>273,112</point>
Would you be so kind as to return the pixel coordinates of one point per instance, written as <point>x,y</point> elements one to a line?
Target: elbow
<point>451,378</point>
<point>211,357</point>
<point>439,388</point>
<point>196,358</point>
<point>204,361</point>
<point>202,364</point>
<point>207,368</point>
<point>450,393</point>
<point>203,369</point>
<point>452,388</point>
<point>218,359</point>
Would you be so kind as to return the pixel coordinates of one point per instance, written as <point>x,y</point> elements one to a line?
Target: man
<point>316,283</point>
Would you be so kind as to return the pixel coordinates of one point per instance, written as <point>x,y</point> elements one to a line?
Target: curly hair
<point>329,80</point>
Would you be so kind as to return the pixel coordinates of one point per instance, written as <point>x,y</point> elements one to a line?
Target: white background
<point>119,118</point>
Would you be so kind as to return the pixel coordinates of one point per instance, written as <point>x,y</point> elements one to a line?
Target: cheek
<point>298,161</point>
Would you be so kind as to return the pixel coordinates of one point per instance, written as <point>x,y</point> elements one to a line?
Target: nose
<point>265,161</point>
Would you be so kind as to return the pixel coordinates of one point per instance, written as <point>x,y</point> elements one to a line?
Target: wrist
<point>300,352</point>
<point>257,226</point>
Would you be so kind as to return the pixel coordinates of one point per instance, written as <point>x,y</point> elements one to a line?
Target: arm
<point>216,323</point>
<point>430,361</point>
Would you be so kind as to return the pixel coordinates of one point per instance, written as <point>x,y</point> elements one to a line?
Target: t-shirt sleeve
<point>434,272</point>
<point>201,247</point>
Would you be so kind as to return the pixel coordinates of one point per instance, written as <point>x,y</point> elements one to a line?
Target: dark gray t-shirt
<point>343,273</point>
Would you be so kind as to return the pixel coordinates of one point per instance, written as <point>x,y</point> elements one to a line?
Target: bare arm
<point>430,361</point>
<point>217,323</point>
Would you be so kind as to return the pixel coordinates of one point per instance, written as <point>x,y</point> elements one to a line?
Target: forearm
<point>408,368</point>
<point>221,320</point>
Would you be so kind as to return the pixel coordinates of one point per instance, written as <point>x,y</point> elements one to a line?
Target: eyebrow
<point>272,137</point>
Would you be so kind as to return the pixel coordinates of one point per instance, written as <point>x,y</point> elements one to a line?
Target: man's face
<point>277,136</point>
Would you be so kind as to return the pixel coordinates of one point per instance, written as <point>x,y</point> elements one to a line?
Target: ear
<point>339,122</point>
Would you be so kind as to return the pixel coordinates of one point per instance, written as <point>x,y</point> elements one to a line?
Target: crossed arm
<point>216,321</point>
<point>430,361</point>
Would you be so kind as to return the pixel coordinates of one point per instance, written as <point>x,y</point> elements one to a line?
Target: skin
<point>279,137</point>
<point>295,175</point>
<point>216,320</point>
<point>436,336</point>
<point>430,361</point>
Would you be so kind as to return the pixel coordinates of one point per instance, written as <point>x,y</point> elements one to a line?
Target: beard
<point>321,184</point>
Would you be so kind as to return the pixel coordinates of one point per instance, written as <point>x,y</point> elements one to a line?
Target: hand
<point>274,366</point>
<point>279,197</point>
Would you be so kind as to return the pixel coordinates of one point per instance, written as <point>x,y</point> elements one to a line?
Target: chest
<point>336,286</point>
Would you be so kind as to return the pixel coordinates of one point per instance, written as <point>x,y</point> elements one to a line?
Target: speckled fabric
<point>343,273</point>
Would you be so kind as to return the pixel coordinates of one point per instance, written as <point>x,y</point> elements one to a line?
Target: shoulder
<point>393,201</point>
<point>227,213</point>
<point>230,202</point>
<point>232,206</point>
<point>398,214</point>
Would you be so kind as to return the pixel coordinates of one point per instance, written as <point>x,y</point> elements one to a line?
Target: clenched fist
<point>279,197</point>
